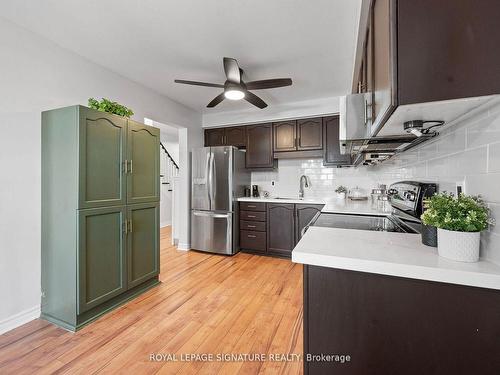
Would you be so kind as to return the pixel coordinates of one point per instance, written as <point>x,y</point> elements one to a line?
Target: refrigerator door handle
<point>210,214</point>
<point>213,180</point>
<point>208,179</point>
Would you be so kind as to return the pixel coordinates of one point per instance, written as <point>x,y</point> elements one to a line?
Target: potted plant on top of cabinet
<point>460,221</point>
<point>106,105</point>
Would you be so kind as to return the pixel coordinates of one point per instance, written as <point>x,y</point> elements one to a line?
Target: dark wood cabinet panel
<point>235,136</point>
<point>253,216</point>
<point>332,155</point>
<point>303,215</point>
<point>214,137</point>
<point>252,206</point>
<point>383,63</point>
<point>259,146</point>
<point>253,240</point>
<point>285,136</point>
<point>421,52</point>
<point>259,226</point>
<point>447,49</point>
<point>310,134</point>
<point>280,228</point>
<point>388,324</point>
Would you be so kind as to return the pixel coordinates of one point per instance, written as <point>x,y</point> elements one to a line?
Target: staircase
<point>169,168</point>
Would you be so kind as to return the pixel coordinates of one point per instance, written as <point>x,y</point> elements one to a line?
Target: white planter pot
<point>459,246</point>
<point>340,195</point>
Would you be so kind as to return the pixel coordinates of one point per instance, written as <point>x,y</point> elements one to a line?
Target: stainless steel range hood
<point>356,140</point>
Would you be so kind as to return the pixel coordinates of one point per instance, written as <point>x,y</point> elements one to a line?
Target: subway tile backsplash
<point>466,153</point>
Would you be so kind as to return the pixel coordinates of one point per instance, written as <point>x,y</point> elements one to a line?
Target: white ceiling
<point>153,42</point>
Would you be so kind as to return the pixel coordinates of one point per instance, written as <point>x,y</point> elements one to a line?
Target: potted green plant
<point>341,192</point>
<point>460,221</point>
<point>106,105</point>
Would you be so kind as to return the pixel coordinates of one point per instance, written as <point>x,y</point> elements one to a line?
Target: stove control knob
<point>392,192</point>
<point>410,195</point>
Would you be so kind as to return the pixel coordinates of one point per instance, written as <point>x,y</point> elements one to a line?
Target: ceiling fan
<point>236,89</point>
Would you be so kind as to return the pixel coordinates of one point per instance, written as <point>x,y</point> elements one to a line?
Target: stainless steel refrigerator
<point>219,177</point>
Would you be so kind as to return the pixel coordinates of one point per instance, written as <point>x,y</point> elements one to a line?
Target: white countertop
<point>281,200</point>
<point>389,253</point>
<point>333,205</point>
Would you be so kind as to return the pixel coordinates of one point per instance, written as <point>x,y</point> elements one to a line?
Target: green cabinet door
<point>143,154</point>
<point>143,242</point>
<point>102,142</point>
<point>101,256</point>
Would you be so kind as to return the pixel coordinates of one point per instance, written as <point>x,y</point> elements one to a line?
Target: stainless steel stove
<point>406,199</point>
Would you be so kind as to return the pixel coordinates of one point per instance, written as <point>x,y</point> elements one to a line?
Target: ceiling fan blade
<point>196,83</point>
<point>232,70</point>
<point>268,83</point>
<point>255,100</point>
<point>219,98</point>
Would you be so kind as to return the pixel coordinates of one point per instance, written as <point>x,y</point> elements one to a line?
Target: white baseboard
<point>165,224</point>
<point>183,246</point>
<point>19,319</point>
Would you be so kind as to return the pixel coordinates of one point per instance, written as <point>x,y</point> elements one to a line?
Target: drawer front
<point>253,240</point>
<point>251,206</point>
<point>259,226</point>
<point>253,216</point>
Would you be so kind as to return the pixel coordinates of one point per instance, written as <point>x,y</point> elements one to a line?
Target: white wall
<point>37,75</point>
<point>275,112</point>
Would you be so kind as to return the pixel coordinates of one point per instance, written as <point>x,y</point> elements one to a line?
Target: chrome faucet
<point>304,182</point>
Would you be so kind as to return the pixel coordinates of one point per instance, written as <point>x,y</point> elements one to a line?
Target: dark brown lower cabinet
<point>280,228</point>
<point>304,213</point>
<point>392,325</point>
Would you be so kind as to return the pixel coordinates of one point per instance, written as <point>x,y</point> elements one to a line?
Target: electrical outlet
<point>272,183</point>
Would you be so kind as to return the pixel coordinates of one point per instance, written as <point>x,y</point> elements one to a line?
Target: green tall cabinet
<point>100,213</point>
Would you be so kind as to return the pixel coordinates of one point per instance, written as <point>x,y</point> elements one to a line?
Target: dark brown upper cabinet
<point>425,51</point>
<point>259,146</point>
<point>298,138</point>
<point>285,135</point>
<point>310,134</point>
<point>233,136</point>
<point>214,137</point>
<point>280,228</point>
<point>332,155</point>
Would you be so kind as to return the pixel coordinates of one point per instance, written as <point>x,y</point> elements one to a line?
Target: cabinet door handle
<point>251,226</point>
<point>252,216</point>
<point>130,166</point>
<point>130,225</point>
<point>251,236</point>
<point>251,206</point>
<point>125,166</point>
<point>125,226</point>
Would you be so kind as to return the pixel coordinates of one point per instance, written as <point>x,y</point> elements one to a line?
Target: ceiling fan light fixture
<point>234,94</point>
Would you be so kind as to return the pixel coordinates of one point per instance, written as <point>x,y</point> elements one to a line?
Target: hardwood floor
<point>206,304</point>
